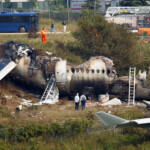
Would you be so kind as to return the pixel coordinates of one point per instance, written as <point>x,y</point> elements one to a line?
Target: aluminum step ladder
<point>6,66</point>
<point>131,93</point>
<point>49,93</point>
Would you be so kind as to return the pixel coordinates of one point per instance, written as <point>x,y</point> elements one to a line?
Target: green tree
<point>57,5</point>
<point>87,13</point>
<point>48,3</point>
<point>98,37</point>
<point>7,4</point>
<point>134,3</point>
<point>34,3</point>
<point>92,5</point>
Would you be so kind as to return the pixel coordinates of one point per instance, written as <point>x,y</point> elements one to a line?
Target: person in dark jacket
<point>52,28</point>
<point>83,101</point>
<point>64,25</point>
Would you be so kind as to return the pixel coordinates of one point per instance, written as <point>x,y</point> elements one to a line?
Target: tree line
<point>90,4</point>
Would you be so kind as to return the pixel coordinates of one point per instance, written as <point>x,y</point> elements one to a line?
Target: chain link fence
<point>48,14</point>
<point>60,15</point>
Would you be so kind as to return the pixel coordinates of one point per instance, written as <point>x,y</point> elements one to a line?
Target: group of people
<point>77,100</point>
<point>43,32</point>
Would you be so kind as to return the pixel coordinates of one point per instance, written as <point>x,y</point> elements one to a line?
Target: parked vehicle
<point>18,22</point>
<point>143,31</point>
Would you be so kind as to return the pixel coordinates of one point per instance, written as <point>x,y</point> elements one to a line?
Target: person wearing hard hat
<point>43,36</point>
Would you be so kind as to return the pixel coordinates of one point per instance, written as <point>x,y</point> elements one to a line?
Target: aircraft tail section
<point>110,120</point>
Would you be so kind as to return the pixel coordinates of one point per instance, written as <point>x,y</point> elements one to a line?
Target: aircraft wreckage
<point>96,76</point>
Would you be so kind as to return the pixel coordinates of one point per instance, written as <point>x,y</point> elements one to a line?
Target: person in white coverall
<point>77,99</point>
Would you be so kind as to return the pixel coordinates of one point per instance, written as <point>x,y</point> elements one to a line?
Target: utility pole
<point>142,28</point>
<point>2,5</point>
<point>67,4</point>
<point>94,7</point>
<point>49,7</point>
<point>68,9</point>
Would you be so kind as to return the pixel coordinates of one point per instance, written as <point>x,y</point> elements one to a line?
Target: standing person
<point>52,28</point>
<point>43,36</point>
<point>64,25</point>
<point>76,99</point>
<point>83,101</point>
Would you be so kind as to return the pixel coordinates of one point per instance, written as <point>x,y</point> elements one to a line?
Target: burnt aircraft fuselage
<point>96,76</point>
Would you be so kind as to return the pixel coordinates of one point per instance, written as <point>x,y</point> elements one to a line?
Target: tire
<point>22,29</point>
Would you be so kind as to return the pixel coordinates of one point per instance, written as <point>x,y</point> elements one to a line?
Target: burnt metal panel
<point>60,71</point>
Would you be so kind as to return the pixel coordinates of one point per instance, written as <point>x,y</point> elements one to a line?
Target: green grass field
<point>71,26</point>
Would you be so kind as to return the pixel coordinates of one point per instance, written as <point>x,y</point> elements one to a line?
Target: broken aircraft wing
<point>111,120</point>
<point>9,55</point>
<point>5,67</point>
<point>147,103</point>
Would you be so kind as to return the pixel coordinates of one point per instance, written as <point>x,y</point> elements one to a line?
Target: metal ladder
<point>48,94</point>
<point>131,93</point>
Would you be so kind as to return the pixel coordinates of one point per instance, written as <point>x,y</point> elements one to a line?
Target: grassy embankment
<point>136,139</point>
<point>41,136</point>
<point>102,141</point>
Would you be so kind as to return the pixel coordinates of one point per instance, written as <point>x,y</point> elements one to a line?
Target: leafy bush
<point>144,33</point>
<point>98,37</point>
<point>105,140</point>
<point>53,129</point>
<point>27,132</point>
<point>33,33</point>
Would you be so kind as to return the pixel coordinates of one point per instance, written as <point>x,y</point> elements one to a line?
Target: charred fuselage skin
<point>97,75</point>
<point>33,75</point>
<point>36,72</point>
